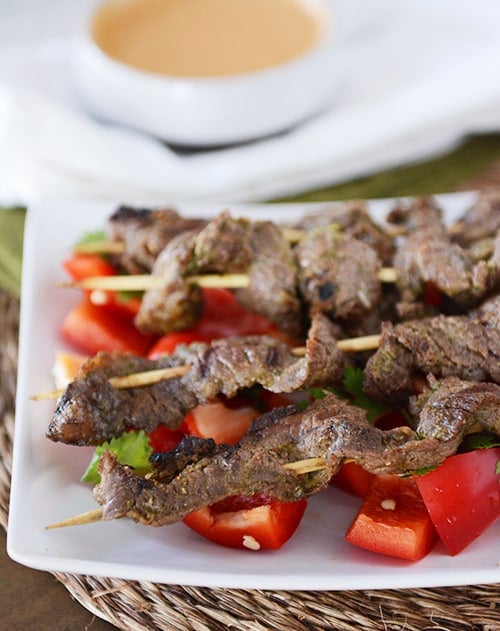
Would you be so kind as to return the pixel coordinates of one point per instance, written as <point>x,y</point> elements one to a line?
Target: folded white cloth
<point>419,75</point>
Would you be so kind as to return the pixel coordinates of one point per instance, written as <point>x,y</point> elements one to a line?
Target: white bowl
<point>210,111</point>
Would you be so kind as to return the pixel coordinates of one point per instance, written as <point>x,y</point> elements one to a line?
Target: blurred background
<point>417,110</point>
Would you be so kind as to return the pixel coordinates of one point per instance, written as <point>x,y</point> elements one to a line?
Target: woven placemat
<point>135,605</point>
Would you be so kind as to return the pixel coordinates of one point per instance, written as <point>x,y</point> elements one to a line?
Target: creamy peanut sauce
<point>206,38</point>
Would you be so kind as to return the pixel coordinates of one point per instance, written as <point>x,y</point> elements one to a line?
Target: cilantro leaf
<point>497,468</point>
<point>479,441</point>
<point>131,448</point>
<point>422,471</point>
<point>353,385</point>
<point>91,237</point>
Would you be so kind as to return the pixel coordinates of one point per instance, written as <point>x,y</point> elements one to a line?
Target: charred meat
<point>91,410</point>
<point>480,222</point>
<point>225,245</point>
<point>428,255</point>
<point>328,428</point>
<point>338,276</point>
<point>353,219</point>
<point>464,346</point>
<point>145,233</point>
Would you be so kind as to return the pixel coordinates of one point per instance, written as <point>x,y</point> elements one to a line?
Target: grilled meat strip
<point>145,233</point>
<point>338,277</point>
<point>464,346</point>
<point>428,255</point>
<point>352,219</point>
<point>328,428</point>
<point>225,245</point>
<point>91,410</point>
<point>481,221</point>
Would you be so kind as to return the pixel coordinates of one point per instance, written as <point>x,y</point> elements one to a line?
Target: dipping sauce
<point>206,38</point>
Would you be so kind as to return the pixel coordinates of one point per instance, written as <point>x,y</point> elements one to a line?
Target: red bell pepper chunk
<point>252,523</point>
<point>218,421</point>
<point>393,520</point>
<point>463,496</point>
<point>91,329</point>
<point>353,479</point>
<point>163,439</point>
<point>81,266</point>
<point>167,344</point>
<point>351,476</point>
<point>224,316</point>
<point>432,295</point>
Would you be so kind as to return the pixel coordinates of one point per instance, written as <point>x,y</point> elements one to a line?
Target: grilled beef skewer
<point>338,275</point>
<point>464,346</point>
<point>353,219</point>
<point>481,221</point>
<point>91,410</point>
<point>429,256</point>
<point>328,272</point>
<point>225,245</point>
<point>144,234</point>
<point>328,428</point>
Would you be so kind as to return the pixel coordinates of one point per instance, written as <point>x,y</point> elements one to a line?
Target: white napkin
<point>419,75</point>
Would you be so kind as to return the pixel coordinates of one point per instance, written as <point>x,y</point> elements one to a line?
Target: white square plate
<point>46,487</point>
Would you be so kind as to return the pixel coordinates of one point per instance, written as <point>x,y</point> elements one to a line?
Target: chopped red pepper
<point>463,496</point>
<point>351,476</point>
<point>224,316</point>
<point>393,520</point>
<point>81,266</point>
<point>91,329</point>
<point>218,421</point>
<point>253,523</point>
<point>167,344</point>
<point>432,295</point>
<point>163,439</point>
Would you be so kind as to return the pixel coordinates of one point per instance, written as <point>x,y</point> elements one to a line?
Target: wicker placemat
<point>135,605</point>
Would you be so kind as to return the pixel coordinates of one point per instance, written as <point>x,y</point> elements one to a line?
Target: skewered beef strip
<point>328,428</point>
<point>145,233</point>
<point>338,276</point>
<point>91,410</point>
<point>428,255</point>
<point>353,219</point>
<point>464,346</point>
<point>225,245</point>
<point>178,304</point>
<point>481,221</point>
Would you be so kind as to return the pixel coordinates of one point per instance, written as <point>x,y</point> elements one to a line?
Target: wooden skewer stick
<point>100,247</point>
<point>292,235</point>
<point>89,517</point>
<point>309,465</point>
<point>143,282</point>
<point>134,380</point>
<point>300,467</point>
<point>149,377</point>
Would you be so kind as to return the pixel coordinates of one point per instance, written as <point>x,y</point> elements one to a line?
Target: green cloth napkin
<point>11,248</point>
<point>451,172</point>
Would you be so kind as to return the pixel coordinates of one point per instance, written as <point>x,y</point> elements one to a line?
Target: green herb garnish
<point>353,385</point>
<point>479,441</point>
<point>131,448</point>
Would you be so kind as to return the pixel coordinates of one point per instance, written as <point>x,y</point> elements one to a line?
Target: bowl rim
<point>325,45</point>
